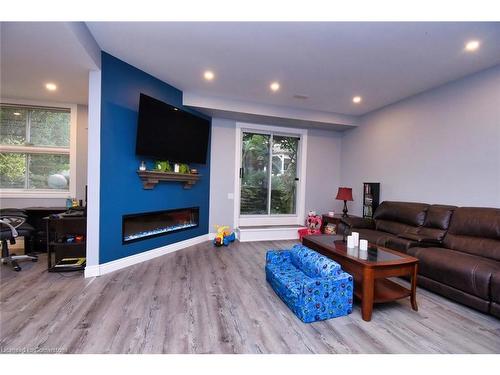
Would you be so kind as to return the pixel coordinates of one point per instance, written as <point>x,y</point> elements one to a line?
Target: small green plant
<point>183,168</point>
<point>163,166</point>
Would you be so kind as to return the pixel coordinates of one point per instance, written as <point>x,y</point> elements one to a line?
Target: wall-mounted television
<point>169,133</point>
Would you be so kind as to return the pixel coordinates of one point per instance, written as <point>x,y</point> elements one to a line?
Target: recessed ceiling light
<point>51,86</point>
<point>17,114</point>
<point>357,99</point>
<point>209,75</point>
<point>472,45</point>
<point>274,86</point>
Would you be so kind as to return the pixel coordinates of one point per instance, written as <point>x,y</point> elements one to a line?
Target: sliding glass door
<point>268,174</point>
<point>254,174</point>
<point>284,175</point>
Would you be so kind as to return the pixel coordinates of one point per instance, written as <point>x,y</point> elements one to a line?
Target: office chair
<point>13,224</point>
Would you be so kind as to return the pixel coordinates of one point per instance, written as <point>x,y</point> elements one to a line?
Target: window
<point>34,150</point>
<point>270,162</point>
<point>267,190</point>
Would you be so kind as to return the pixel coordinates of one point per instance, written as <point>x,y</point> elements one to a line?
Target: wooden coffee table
<point>370,271</point>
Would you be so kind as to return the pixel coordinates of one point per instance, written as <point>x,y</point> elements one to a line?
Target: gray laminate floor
<point>206,300</point>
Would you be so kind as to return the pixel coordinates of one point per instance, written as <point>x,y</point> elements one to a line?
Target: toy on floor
<point>313,224</point>
<point>223,237</point>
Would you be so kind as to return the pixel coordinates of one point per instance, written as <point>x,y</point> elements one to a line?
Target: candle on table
<point>350,242</point>
<point>363,244</point>
<point>355,237</point>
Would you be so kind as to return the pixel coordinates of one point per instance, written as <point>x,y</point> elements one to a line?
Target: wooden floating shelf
<point>151,178</point>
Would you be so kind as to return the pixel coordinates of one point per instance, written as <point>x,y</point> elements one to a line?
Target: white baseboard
<point>102,269</point>
<point>91,271</point>
<point>267,234</point>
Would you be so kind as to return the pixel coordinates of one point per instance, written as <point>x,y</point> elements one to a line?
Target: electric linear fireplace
<point>138,227</point>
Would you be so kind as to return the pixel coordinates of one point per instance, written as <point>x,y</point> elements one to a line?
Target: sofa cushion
<point>439,216</point>
<point>409,213</point>
<point>312,263</point>
<point>425,235</point>
<point>468,273</point>
<point>476,231</point>
<point>374,236</point>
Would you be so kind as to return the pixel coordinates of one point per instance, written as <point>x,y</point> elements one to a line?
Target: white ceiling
<point>33,53</point>
<point>328,62</point>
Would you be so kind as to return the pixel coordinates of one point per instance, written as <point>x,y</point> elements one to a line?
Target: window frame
<point>71,151</point>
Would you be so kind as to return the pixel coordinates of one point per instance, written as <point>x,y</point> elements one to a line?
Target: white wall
<point>222,151</point>
<point>442,146</point>
<point>322,171</point>
<point>81,170</point>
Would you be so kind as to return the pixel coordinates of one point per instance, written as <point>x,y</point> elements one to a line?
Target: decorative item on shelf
<point>194,171</point>
<point>331,213</point>
<point>162,166</point>
<point>184,168</point>
<point>224,236</point>
<point>344,194</point>
<point>176,168</point>
<point>142,166</point>
<point>371,194</point>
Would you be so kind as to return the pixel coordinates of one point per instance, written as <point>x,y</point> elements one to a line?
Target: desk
<point>35,219</point>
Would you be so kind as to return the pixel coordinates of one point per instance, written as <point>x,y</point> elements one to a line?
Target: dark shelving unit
<point>58,228</point>
<point>371,198</point>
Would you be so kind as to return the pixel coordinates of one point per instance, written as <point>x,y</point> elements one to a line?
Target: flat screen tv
<point>169,133</point>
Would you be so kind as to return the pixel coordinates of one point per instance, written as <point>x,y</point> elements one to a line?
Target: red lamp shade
<point>344,194</point>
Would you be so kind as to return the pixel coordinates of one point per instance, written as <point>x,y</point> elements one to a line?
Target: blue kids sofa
<point>313,286</point>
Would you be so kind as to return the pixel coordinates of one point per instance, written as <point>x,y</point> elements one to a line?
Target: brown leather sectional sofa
<point>458,247</point>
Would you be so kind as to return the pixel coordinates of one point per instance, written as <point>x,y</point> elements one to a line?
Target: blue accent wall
<point>121,189</point>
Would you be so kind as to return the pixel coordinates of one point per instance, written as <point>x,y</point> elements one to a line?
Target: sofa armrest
<point>358,222</point>
<point>278,256</point>
<point>326,290</point>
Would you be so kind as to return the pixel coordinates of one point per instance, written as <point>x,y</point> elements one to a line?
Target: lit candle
<point>363,244</point>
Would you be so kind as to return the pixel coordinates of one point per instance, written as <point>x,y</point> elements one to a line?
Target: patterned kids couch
<point>313,286</point>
